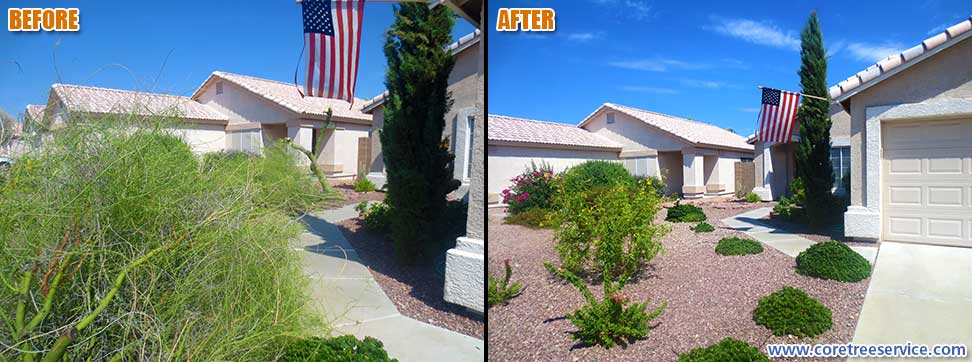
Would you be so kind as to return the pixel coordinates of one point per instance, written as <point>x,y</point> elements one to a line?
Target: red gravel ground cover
<point>709,296</point>
<point>416,291</point>
<point>346,189</point>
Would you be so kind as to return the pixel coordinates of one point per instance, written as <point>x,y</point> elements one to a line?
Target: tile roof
<point>695,132</point>
<point>285,94</point>
<point>113,101</point>
<point>874,73</point>
<point>511,129</point>
<point>465,42</point>
<point>35,112</point>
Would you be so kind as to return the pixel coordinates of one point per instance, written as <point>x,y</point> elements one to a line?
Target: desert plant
<point>345,348</point>
<point>833,260</point>
<point>418,164</point>
<point>813,149</point>
<point>703,227</point>
<point>363,184</point>
<point>533,189</point>
<point>535,218</point>
<point>122,247</point>
<point>375,216</point>
<point>501,291</point>
<point>685,213</point>
<point>727,350</point>
<point>737,246</point>
<point>791,311</point>
<point>787,210</point>
<point>594,174</point>
<point>314,153</point>
<point>752,197</point>
<point>607,229</point>
<point>798,192</point>
<point>611,319</point>
<point>655,185</point>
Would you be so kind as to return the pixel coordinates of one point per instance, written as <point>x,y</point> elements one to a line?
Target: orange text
<point>35,19</point>
<point>525,19</point>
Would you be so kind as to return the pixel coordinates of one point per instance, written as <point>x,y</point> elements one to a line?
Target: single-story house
<point>694,159</point>
<point>909,128</point>
<point>464,82</point>
<point>229,112</point>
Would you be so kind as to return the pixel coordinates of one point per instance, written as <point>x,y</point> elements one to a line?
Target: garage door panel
<point>927,182</point>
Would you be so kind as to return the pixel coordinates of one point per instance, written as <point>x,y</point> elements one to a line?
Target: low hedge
<point>791,311</point>
<point>685,213</point>
<point>703,227</point>
<point>727,350</point>
<point>833,260</point>
<point>345,348</point>
<point>737,246</point>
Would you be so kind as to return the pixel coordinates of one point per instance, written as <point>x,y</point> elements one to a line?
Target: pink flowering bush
<point>609,320</point>
<point>534,188</point>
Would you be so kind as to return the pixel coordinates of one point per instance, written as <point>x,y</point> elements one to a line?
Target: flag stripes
<point>777,115</point>
<point>332,30</point>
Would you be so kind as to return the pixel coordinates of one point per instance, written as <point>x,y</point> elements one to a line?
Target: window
<point>840,160</point>
<point>610,118</point>
<point>470,130</point>
<point>745,159</point>
<point>219,87</point>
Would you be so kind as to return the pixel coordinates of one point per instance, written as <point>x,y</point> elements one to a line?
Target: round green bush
<point>791,311</point>
<point>345,348</point>
<point>753,198</point>
<point>685,213</point>
<point>595,173</point>
<point>737,246</point>
<point>833,260</point>
<point>727,350</point>
<point>703,227</point>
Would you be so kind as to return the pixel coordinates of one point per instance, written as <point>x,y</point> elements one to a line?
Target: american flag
<point>332,32</point>
<point>777,115</point>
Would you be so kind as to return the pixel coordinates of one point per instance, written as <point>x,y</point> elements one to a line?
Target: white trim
<point>467,151</point>
<point>864,221</point>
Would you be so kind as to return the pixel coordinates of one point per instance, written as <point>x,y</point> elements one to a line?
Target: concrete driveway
<point>918,293</point>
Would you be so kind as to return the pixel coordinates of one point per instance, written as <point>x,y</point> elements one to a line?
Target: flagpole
<point>805,95</point>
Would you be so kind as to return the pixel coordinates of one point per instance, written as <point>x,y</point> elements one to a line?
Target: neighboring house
<point>910,138</point>
<point>694,159</point>
<point>229,112</point>
<point>15,146</point>
<point>464,81</point>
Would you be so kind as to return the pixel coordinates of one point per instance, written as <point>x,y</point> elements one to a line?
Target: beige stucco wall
<point>202,138</point>
<point>345,148</point>
<point>242,106</point>
<point>633,134</point>
<point>947,74</point>
<point>504,162</point>
<point>377,122</point>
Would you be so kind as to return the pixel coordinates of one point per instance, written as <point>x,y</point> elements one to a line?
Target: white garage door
<point>927,176</point>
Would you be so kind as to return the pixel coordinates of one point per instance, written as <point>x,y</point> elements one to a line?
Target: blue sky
<point>698,60</point>
<point>123,44</point>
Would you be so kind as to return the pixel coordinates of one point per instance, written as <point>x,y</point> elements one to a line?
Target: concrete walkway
<point>353,302</point>
<point>789,243</point>
<point>918,293</point>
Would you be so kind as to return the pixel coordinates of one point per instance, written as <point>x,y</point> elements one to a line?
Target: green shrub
<point>114,232</point>
<point>727,350</point>
<point>618,218</point>
<point>593,174</point>
<point>737,246</point>
<point>654,185</point>
<point>375,216</point>
<point>791,311</point>
<point>789,211</point>
<point>833,260</point>
<point>345,348</point>
<point>363,184</point>
<point>533,189</point>
<point>613,318</point>
<point>685,213</point>
<point>799,192</point>
<point>501,291</point>
<point>702,227</point>
<point>534,218</point>
<point>752,197</point>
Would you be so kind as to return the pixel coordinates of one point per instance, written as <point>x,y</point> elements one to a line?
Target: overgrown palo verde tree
<point>813,150</point>
<point>418,164</point>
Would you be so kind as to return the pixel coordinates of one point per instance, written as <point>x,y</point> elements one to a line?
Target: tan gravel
<point>709,296</point>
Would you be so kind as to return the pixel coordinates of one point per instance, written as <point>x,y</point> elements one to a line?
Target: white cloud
<point>583,37</point>
<point>756,32</point>
<point>637,9</point>
<point>749,109</point>
<point>873,52</point>
<point>938,29</point>
<point>656,64</point>
<point>697,83</point>
<point>637,88</point>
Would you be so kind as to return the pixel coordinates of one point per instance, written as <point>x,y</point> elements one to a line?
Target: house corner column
<point>864,221</point>
<point>693,175</point>
<point>764,173</point>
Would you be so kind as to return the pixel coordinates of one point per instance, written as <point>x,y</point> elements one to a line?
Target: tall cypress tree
<point>418,164</point>
<point>813,151</point>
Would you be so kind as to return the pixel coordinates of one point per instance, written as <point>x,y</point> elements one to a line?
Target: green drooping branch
<point>312,155</point>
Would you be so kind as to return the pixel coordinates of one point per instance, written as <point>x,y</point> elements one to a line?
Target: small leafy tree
<point>813,151</point>
<point>418,164</point>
